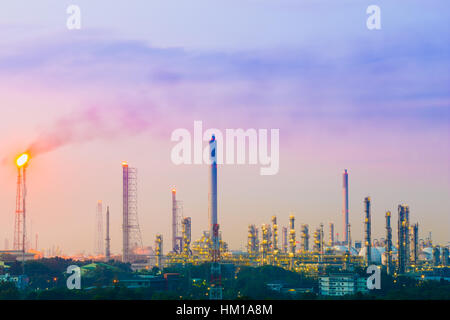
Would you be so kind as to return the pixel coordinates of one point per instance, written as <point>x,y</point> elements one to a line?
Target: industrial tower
<point>415,243</point>
<point>265,244</point>
<point>99,229</point>
<point>292,240</point>
<point>285,240</point>
<point>317,245</point>
<point>388,243</point>
<point>348,254</point>
<point>331,238</point>
<point>159,250</point>
<point>305,237</point>
<point>177,238</point>
<point>367,230</point>
<point>403,238</point>
<point>345,204</point>
<point>274,235</point>
<point>107,239</point>
<point>252,243</point>
<point>186,235</point>
<point>130,225</point>
<point>20,235</point>
<point>215,292</point>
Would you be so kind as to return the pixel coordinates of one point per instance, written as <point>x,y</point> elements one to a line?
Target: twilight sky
<point>374,102</point>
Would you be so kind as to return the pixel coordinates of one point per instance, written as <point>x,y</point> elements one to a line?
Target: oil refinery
<point>265,246</point>
<point>411,254</point>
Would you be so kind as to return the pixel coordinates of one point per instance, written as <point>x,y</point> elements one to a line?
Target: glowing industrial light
<point>22,160</point>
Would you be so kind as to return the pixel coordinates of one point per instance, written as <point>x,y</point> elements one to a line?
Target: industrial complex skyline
<point>131,236</point>
<point>343,98</point>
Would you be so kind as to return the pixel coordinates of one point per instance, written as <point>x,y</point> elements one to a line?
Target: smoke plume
<point>90,124</point>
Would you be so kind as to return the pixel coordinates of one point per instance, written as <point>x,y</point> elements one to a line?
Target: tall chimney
<point>345,204</point>
<point>107,240</point>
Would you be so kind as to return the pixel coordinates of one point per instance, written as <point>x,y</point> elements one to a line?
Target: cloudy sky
<point>344,97</point>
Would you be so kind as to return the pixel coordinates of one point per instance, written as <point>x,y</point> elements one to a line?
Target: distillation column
<point>159,250</point>
<point>252,239</point>
<point>265,244</point>
<point>305,238</point>
<point>186,236</point>
<point>407,239</point>
<point>415,244</point>
<point>174,221</point>
<point>367,230</point>
<point>402,234</point>
<point>388,243</point>
<point>285,239</point>
<point>331,238</point>
<point>275,235</point>
<point>317,241</point>
<point>445,257</point>
<point>292,235</point>
<point>292,240</point>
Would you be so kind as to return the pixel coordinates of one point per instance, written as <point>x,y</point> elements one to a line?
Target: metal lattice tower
<point>99,229</point>
<point>130,227</point>
<point>19,225</point>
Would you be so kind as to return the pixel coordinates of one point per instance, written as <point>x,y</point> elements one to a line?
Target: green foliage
<point>9,291</point>
<point>47,272</point>
<point>251,283</point>
<point>244,283</point>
